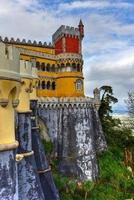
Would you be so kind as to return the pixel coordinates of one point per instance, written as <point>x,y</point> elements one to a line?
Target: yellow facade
<point>65,82</point>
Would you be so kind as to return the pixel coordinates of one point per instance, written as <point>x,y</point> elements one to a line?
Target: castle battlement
<point>25,42</point>
<point>67,30</point>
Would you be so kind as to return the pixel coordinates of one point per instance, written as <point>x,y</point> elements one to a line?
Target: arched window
<point>48,85</point>
<point>78,84</point>
<point>43,66</point>
<point>53,85</point>
<point>48,67</point>
<point>39,84</point>
<point>68,65</point>
<point>43,85</point>
<point>53,68</point>
<point>78,68</point>
<point>62,65</point>
<point>38,65</point>
<point>74,66</point>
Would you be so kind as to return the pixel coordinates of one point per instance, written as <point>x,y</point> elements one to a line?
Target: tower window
<point>48,85</point>
<point>48,67</point>
<point>43,85</point>
<point>38,65</point>
<point>78,85</point>
<point>43,66</point>
<point>53,85</point>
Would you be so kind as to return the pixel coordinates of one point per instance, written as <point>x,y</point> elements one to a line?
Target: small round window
<point>78,85</point>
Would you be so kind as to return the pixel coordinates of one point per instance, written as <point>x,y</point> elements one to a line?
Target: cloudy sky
<point>108,46</point>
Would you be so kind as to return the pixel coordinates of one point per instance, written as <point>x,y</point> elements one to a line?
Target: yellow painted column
<point>26,86</point>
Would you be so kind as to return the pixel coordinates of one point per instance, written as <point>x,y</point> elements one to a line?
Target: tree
<point>107,99</point>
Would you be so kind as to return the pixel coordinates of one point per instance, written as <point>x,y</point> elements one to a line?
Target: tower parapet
<point>65,30</point>
<point>9,62</point>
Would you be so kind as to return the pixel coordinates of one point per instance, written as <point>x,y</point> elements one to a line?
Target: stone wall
<point>75,130</point>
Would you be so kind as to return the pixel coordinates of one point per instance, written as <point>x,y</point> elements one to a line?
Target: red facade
<point>58,47</point>
<point>71,45</point>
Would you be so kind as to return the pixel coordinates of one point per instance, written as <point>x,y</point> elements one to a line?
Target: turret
<point>81,29</point>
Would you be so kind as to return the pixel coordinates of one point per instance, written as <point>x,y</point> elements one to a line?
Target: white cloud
<point>94,4</point>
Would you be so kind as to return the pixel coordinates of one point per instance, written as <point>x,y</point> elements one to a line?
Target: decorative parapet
<point>69,56</point>
<point>78,102</point>
<point>48,102</point>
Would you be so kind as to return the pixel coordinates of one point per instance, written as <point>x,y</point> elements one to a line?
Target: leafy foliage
<point>107,99</point>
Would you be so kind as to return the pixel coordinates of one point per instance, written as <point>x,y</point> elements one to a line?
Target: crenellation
<point>17,41</point>
<point>6,39</point>
<point>67,30</point>
<point>12,40</point>
<point>40,43</point>
<point>29,42</point>
<point>23,41</point>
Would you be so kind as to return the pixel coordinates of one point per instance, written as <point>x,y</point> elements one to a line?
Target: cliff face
<point>76,133</point>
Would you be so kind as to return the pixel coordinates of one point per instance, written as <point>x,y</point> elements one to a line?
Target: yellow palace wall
<point>65,81</point>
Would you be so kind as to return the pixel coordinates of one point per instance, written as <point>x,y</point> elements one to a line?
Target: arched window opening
<point>38,65</point>
<point>78,68</point>
<point>53,68</point>
<point>78,84</point>
<point>53,85</point>
<point>48,67</point>
<point>74,66</point>
<point>39,84</point>
<point>62,65</point>
<point>48,85</point>
<point>43,66</point>
<point>68,65</point>
<point>43,85</point>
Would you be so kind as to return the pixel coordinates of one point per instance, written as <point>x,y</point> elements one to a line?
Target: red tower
<point>68,39</point>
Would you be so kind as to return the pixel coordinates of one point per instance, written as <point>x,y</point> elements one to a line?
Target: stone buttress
<point>29,187</point>
<point>43,169</point>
